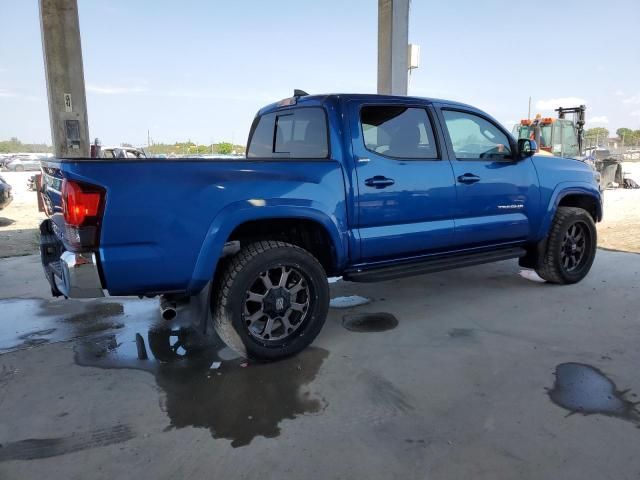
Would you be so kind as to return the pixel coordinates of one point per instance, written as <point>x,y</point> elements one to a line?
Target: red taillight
<point>81,203</point>
<point>82,206</point>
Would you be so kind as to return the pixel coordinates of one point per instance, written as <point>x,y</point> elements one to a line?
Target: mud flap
<point>194,313</point>
<point>535,253</point>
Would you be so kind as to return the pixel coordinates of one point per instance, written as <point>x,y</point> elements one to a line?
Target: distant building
<point>613,143</point>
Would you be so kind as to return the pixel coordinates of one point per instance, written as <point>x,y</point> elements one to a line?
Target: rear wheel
<point>272,300</point>
<point>571,247</point>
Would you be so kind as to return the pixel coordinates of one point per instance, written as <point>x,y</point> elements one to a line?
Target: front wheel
<point>272,300</point>
<point>571,247</point>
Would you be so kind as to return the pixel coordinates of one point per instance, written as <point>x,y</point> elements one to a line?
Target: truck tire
<point>272,300</point>
<point>571,247</point>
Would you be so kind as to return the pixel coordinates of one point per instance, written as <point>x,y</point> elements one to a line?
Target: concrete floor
<point>458,389</point>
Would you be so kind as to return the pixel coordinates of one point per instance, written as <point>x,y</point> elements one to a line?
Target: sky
<point>200,69</point>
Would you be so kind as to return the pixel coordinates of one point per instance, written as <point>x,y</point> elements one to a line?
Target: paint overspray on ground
<point>584,389</point>
<point>195,394</point>
<point>348,301</point>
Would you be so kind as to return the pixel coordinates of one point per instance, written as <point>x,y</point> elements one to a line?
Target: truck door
<point>497,192</point>
<point>405,197</point>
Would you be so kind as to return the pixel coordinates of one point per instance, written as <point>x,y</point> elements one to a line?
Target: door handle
<point>468,178</point>
<point>379,182</point>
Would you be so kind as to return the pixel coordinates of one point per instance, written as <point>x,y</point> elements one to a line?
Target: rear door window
<point>296,133</point>
<point>397,131</point>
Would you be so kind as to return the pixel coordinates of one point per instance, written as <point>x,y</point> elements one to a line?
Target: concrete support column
<point>393,44</point>
<point>65,78</point>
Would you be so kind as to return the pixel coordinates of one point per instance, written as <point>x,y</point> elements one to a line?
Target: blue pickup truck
<point>368,187</point>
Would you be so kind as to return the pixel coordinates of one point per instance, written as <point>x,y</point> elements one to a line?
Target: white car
<point>24,163</point>
<point>122,152</point>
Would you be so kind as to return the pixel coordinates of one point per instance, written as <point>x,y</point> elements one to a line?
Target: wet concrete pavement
<point>476,373</point>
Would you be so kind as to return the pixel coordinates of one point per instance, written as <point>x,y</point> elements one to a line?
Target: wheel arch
<point>582,195</point>
<point>584,201</point>
<point>237,221</point>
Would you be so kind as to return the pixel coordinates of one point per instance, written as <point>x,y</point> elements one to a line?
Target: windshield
<point>527,131</point>
<point>559,137</point>
<point>565,139</point>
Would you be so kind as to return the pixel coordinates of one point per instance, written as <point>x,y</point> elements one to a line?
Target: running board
<point>432,265</point>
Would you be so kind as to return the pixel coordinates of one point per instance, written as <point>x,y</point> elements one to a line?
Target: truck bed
<point>166,221</point>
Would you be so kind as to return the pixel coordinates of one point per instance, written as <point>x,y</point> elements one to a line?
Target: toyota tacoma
<point>367,187</point>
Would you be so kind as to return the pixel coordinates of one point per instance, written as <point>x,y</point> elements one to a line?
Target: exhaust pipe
<point>167,308</point>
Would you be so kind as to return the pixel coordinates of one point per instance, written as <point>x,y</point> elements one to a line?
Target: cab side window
<point>261,142</point>
<point>474,137</point>
<point>302,133</point>
<point>296,133</point>
<point>398,132</point>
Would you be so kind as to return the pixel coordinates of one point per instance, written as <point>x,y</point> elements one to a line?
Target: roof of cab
<point>318,100</point>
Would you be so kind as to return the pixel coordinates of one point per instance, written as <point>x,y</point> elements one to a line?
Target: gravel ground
<point>19,222</point>
<point>620,229</point>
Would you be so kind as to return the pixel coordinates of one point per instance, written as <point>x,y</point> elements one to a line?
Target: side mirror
<point>527,148</point>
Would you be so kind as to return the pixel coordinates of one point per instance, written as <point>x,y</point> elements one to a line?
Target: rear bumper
<point>74,275</point>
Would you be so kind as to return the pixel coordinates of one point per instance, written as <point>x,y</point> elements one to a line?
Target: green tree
<point>598,133</point>
<point>624,132</point>
<point>13,145</point>
<point>190,148</point>
<point>225,148</point>
<point>630,137</point>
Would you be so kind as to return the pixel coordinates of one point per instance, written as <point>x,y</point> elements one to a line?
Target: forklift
<point>564,137</point>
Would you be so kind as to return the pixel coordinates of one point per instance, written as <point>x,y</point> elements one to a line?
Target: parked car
<point>5,193</point>
<point>122,152</point>
<point>4,158</point>
<point>24,163</point>
<point>368,187</point>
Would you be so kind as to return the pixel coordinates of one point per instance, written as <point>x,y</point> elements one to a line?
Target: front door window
<point>474,137</point>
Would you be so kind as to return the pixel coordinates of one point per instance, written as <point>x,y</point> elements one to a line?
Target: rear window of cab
<point>298,133</point>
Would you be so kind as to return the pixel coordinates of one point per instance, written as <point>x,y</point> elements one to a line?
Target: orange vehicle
<point>560,136</point>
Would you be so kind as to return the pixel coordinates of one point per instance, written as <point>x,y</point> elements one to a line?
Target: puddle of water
<point>369,322</point>
<point>96,311</point>
<point>348,301</point>
<point>584,389</point>
<point>26,323</point>
<point>239,400</point>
